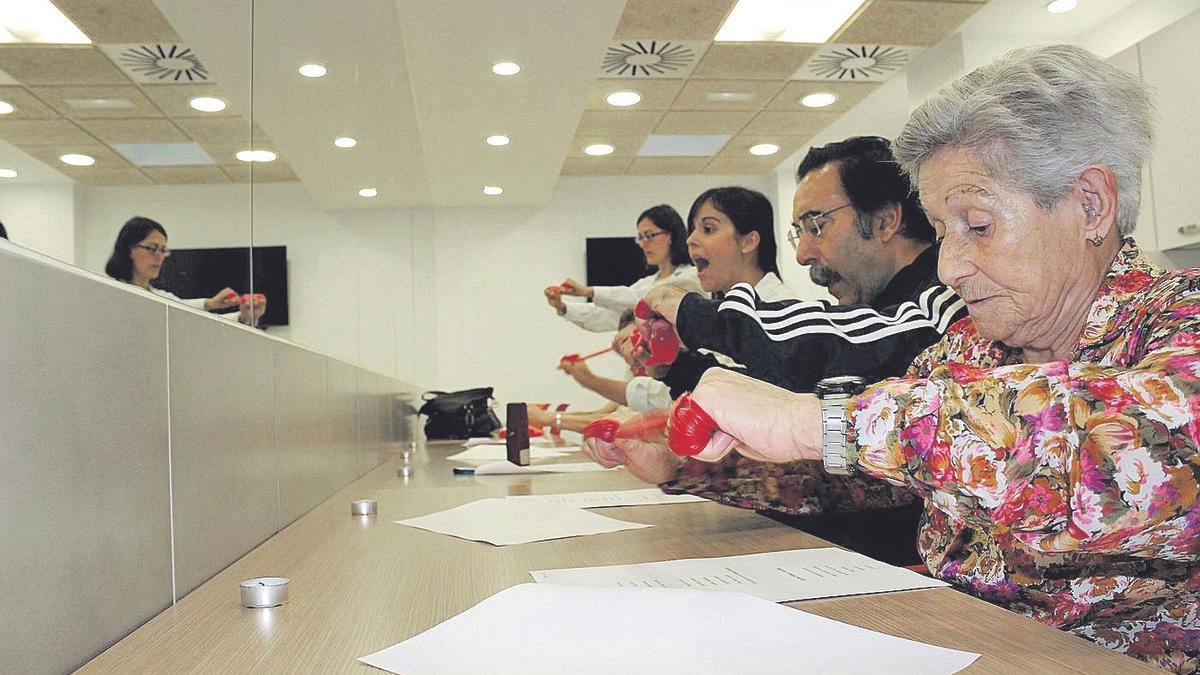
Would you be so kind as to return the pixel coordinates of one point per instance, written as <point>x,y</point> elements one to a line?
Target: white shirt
<point>197,303</point>
<point>603,313</point>
<point>644,393</point>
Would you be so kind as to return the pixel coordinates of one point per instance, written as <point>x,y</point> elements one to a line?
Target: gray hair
<point>1038,117</point>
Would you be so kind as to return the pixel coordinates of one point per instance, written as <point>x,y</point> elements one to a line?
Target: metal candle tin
<point>363,507</point>
<point>264,592</point>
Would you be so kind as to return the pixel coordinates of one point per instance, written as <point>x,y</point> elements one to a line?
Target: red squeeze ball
<point>232,295</point>
<point>642,311</point>
<point>571,357</point>
<point>691,428</point>
<point>605,430</point>
<point>664,345</point>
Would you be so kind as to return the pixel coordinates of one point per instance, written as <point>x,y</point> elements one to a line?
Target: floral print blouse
<point>1066,491</point>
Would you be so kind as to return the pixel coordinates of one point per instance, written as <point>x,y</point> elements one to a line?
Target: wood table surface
<point>360,584</point>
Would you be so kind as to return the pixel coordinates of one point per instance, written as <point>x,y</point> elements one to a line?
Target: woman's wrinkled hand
<point>759,420</point>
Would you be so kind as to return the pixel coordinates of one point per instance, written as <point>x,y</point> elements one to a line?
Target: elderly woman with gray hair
<point>1054,432</point>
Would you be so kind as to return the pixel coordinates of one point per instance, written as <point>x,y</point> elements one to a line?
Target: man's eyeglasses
<point>811,224</point>
<point>154,249</point>
<point>647,236</point>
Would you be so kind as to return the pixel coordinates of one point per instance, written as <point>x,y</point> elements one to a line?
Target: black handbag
<point>459,414</point>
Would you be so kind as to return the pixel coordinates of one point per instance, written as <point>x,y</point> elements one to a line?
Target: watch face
<point>842,384</point>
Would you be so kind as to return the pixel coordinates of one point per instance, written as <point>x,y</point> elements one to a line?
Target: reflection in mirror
<point>114,131</point>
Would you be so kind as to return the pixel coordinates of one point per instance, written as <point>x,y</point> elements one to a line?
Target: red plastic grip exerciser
<point>575,358</point>
<point>645,426</point>
<point>605,430</point>
<point>659,337</point>
<point>258,297</point>
<point>691,428</point>
<point>664,344</point>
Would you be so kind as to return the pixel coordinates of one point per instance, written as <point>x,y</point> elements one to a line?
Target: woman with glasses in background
<point>138,256</point>
<point>663,240</point>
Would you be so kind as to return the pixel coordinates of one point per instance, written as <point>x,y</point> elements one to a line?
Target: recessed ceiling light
<point>6,107</point>
<point>256,155</point>
<point>505,68</point>
<point>492,190</point>
<point>818,100</point>
<point>345,142</point>
<point>1061,6</point>
<point>77,160</point>
<point>38,21</point>
<point>99,103</point>
<point>771,20</point>
<point>764,149</point>
<point>727,96</point>
<point>7,173</point>
<point>207,104</point>
<point>312,70</point>
<point>497,140</point>
<point>623,99</point>
<point>598,149</point>
<point>368,192</point>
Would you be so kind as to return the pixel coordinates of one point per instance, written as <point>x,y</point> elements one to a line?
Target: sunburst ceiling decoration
<point>651,58</point>
<point>158,63</point>
<point>856,63</point>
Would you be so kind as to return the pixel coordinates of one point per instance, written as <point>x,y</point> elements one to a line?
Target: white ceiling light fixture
<point>763,149</point>
<point>492,190</point>
<point>598,149</point>
<point>506,68</point>
<point>75,159</point>
<point>729,96</point>
<point>313,70</point>
<point>6,108</point>
<point>368,192</point>
<point>38,22</point>
<point>820,99</point>
<point>7,173</point>
<point>1061,6</point>
<point>345,142</point>
<point>623,99</point>
<point>773,21</point>
<point>498,140</point>
<point>208,104</point>
<point>256,155</point>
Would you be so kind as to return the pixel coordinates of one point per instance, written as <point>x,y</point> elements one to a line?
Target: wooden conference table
<point>359,584</point>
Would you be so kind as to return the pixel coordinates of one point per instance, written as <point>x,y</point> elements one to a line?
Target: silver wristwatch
<point>839,456</point>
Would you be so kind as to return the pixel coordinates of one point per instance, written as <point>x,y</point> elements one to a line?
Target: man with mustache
<point>859,227</point>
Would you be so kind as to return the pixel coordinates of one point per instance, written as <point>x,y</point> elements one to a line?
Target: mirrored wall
<point>121,143</point>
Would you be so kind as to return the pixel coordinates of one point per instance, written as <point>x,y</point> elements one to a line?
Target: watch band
<point>837,455</point>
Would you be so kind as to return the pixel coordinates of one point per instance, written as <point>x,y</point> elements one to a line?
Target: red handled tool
<point>575,358</point>
<point>691,428</point>
<point>645,426</point>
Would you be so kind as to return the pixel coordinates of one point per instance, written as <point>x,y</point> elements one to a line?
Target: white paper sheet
<point>601,499</point>
<point>548,629</point>
<point>490,452</point>
<point>540,441</point>
<point>782,576</point>
<point>503,522</point>
<point>507,467</point>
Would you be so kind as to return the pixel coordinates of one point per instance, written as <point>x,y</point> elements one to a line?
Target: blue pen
<point>463,471</point>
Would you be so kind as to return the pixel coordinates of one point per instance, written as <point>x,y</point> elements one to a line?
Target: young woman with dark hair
<point>138,256</point>
<point>663,239</point>
<point>732,241</point>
